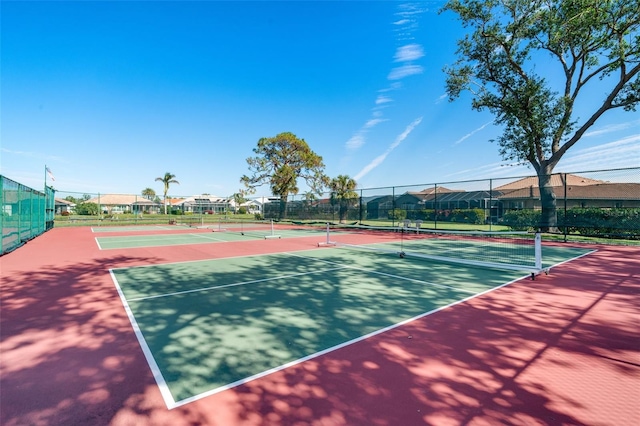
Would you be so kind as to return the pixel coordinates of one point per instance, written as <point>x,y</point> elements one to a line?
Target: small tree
<point>238,200</point>
<point>87,208</point>
<point>149,193</point>
<point>583,43</point>
<point>343,193</point>
<point>280,161</point>
<point>167,180</point>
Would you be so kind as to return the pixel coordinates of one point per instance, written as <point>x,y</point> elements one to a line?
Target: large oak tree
<point>531,63</point>
<point>279,162</point>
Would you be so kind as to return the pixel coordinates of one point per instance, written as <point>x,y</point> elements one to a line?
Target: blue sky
<point>111,95</point>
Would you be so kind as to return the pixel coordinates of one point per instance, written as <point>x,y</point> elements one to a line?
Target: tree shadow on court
<point>68,354</point>
<point>495,359</point>
<point>70,357</point>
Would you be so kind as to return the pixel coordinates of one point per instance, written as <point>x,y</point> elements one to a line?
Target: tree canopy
<point>343,193</point>
<point>531,63</point>
<point>280,161</point>
<point>149,193</point>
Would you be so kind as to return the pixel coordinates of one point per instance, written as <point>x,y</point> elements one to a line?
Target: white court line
<point>233,284</point>
<point>386,274</point>
<point>329,349</point>
<point>160,239</point>
<point>153,365</point>
<point>170,401</point>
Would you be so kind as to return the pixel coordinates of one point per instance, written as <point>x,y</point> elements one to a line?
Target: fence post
<point>393,206</point>
<point>491,204</point>
<point>564,183</point>
<point>435,206</point>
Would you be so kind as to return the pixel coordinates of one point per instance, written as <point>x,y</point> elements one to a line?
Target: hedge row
<point>593,222</point>
<point>473,216</point>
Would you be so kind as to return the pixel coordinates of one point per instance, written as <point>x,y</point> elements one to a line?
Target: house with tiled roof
<point>202,204</point>
<point>62,206</point>
<point>601,195</point>
<point>125,203</point>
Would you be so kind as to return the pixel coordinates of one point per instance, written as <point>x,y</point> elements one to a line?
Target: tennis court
<point>285,332</point>
<point>218,233</point>
<point>207,326</point>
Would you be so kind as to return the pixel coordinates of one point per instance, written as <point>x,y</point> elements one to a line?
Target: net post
<point>328,242</point>
<point>272,234</point>
<point>538,250</point>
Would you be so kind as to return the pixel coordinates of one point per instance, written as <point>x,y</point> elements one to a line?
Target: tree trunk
<point>282,214</point>
<point>549,216</point>
<point>342,212</point>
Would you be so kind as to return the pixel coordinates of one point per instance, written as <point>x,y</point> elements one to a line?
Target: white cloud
<point>402,22</point>
<point>441,98</point>
<point>410,52</point>
<point>374,121</point>
<point>621,153</point>
<point>383,100</point>
<point>380,158</point>
<point>356,141</point>
<point>404,71</point>
<point>468,135</point>
<point>612,128</point>
<point>30,154</point>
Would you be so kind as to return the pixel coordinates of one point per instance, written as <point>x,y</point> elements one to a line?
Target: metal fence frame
<point>26,213</point>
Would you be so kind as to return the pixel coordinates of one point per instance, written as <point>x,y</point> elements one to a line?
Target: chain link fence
<point>26,213</point>
<point>598,203</point>
<point>602,203</point>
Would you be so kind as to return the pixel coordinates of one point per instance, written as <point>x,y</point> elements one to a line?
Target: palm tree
<point>343,192</point>
<point>167,180</point>
<point>148,193</point>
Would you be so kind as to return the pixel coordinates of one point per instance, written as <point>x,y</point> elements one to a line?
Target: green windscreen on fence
<point>26,213</point>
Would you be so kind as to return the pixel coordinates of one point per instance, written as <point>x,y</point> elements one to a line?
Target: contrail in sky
<point>380,159</point>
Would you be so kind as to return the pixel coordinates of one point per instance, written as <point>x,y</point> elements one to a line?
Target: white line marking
<point>171,403</point>
<point>330,349</point>
<point>159,239</point>
<point>153,365</point>
<point>233,284</point>
<point>385,274</point>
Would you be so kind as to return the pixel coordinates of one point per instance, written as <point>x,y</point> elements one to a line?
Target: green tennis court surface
<point>206,326</point>
<point>131,228</point>
<point>155,240</point>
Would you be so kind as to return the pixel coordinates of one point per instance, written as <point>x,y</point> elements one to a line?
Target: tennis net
<point>261,229</point>
<point>520,251</point>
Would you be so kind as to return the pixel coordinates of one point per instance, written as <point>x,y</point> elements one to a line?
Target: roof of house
<point>199,199</point>
<point>611,191</point>
<point>121,200</point>
<point>556,180</point>
<point>464,196</point>
<point>433,190</point>
<point>63,201</point>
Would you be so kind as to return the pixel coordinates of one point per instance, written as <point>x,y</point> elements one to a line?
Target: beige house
<point>578,191</point>
<point>125,203</point>
<point>201,204</point>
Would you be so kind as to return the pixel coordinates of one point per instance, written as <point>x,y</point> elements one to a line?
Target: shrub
<point>522,220</point>
<point>397,214</point>
<point>474,216</point>
<point>65,213</point>
<point>602,222</point>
